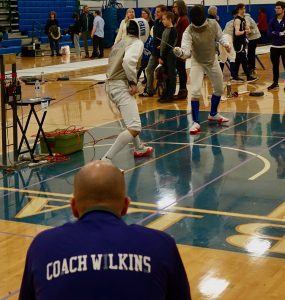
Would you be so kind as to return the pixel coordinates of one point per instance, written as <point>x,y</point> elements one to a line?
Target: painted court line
<point>212,212</point>
<point>145,163</point>
<point>184,147</point>
<point>207,183</point>
<point>10,294</point>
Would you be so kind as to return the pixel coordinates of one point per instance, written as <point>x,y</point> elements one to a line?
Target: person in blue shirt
<point>97,35</point>
<point>276,31</point>
<point>99,256</point>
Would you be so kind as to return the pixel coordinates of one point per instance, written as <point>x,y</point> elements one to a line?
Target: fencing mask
<point>138,27</point>
<point>197,15</point>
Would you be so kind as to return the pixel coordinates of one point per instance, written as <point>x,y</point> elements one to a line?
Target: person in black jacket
<point>241,30</point>
<point>53,32</point>
<point>74,31</point>
<point>86,24</point>
<point>276,31</point>
<point>167,57</point>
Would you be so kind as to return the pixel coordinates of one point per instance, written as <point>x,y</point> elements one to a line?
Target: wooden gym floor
<point>221,194</point>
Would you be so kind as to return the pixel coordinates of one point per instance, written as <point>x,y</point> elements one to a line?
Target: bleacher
<point>38,11</point>
<point>34,14</point>
<point>32,19</point>
<point>11,46</point>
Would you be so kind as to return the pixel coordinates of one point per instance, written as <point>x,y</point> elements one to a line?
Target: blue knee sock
<point>215,100</point>
<point>195,111</point>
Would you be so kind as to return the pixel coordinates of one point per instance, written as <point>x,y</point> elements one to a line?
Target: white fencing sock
<point>137,142</point>
<point>122,140</point>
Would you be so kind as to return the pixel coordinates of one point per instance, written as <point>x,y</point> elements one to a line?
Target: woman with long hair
<point>130,14</point>
<point>146,14</point>
<point>53,32</point>
<point>180,11</point>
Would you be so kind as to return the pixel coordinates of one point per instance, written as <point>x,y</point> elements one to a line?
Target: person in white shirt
<point>121,86</point>
<point>253,38</point>
<point>130,14</point>
<point>97,35</point>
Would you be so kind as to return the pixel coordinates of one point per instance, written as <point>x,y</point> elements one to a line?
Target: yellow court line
<point>34,192</point>
<point>278,212</point>
<point>51,199</point>
<point>133,210</point>
<point>184,147</point>
<point>214,212</point>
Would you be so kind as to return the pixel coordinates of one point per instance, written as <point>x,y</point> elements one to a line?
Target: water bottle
<point>229,90</point>
<point>37,89</point>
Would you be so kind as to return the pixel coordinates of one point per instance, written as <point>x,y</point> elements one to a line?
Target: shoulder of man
<point>151,234</point>
<point>47,237</point>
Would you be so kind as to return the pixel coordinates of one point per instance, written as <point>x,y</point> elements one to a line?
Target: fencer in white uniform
<point>121,86</point>
<point>199,42</point>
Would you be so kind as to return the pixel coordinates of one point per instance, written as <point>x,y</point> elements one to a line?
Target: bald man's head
<point>99,184</point>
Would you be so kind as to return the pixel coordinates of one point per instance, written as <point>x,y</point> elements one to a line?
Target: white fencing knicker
<point>118,94</point>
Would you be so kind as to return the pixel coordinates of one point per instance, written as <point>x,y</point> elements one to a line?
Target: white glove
<point>282,33</point>
<point>178,51</point>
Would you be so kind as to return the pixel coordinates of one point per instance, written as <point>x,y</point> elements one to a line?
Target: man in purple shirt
<point>99,256</point>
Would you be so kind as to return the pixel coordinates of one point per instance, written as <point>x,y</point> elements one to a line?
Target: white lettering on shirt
<point>107,262</point>
<point>96,262</point>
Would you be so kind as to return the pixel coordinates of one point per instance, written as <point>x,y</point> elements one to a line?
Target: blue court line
<point>208,183</point>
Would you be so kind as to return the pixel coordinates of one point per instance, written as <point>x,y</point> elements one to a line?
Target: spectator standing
<point>99,256</point>
<point>158,29</point>
<point>253,37</point>
<point>86,23</point>
<point>167,57</point>
<point>130,14</point>
<point>180,11</point>
<point>262,25</point>
<point>97,35</point>
<point>74,31</point>
<point>213,13</point>
<point>241,29</point>
<point>276,32</point>
<point>146,14</point>
<point>53,32</point>
<point>224,55</point>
